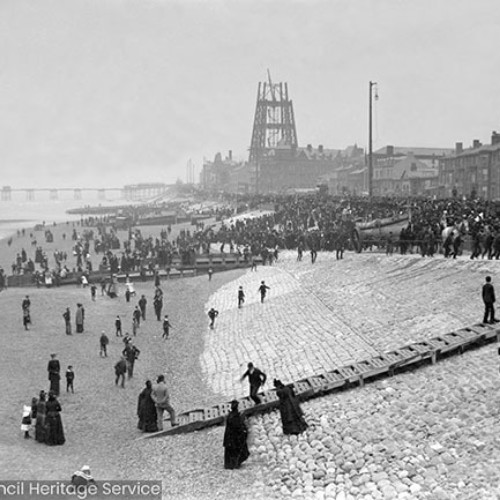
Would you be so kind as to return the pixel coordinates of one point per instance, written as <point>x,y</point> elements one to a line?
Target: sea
<point>20,213</point>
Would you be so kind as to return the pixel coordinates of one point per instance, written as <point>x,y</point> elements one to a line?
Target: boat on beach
<point>377,230</point>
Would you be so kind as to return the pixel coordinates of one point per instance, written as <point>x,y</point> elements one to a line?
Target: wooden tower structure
<point>274,122</point>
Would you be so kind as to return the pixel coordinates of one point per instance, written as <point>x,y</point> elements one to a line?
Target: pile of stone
<point>430,434</point>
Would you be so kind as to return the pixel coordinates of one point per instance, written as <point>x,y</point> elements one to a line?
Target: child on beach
<point>26,421</point>
<point>70,376</point>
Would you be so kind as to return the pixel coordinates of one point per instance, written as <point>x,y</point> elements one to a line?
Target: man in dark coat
<point>142,305</point>
<point>212,314</point>
<point>26,302</point>
<point>235,439</point>
<point>118,326</point>
<point>79,318</point>
<point>120,370</point>
<point>256,379</point>
<point>54,369</point>
<point>489,300</point>
<point>136,315</point>
<point>263,288</point>
<point>457,242</point>
<point>241,297</point>
<point>158,303</point>
<point>26,312</point>
<point>103,343</point>
<point>340,245</point>
<point>131,353</point>
<point>67,320</point>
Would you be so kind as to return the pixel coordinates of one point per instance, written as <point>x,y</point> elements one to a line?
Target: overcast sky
<point>108,92</point>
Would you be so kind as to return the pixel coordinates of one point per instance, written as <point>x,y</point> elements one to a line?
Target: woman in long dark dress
<point>40,418</point>
<point>146,410</point>
<point>55,433</point>
<point>54,369</point>
<point>235,439</point>
<point>292,417</point>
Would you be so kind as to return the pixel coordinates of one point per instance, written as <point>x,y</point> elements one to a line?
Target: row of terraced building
<point>397,171</point>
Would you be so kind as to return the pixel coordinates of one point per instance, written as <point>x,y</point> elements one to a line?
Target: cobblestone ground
<point>318,317</point>
<point>428,434</point>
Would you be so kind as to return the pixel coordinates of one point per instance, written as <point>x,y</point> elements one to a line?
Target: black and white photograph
<point>250,249</point>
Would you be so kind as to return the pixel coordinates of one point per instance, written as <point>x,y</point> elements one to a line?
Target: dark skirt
<point>54,429</point>
<point>292,417</point>
<point>235,441</point>
<point>148,416</point>
<point>234,457</point>
<point>55,385</point>
<point>40,428</point>
<point>148,425</point>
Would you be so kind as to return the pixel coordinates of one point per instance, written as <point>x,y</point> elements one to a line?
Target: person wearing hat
<point>292,417</point>
<point>212,314</point>
<point>241,297</point>
<point>166,327</point>
<point>54,369</point>
<point>118,326</point>
<point>82,477</point>
<point>131,354</point>
<point>54,430</point>
<point>103,342</point>
<point>142,305</point>
<point>489,299</point>
<point>158,302</point>
<point>120,370</point>
<point>26,312</point>
<point>40,427</point>
<point>263,288</point>
<point>26,302</point>
<point>79,318</point>
<point>67,320</point>
<point>235,439</point>
<point>162,400</point>
<point>146,410</point>
<point>256,378</point>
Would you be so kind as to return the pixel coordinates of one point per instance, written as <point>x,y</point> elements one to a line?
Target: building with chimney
<point>350,174</point>
<point>407,171</point>
<point>472,172</point>
<point>225,174</point>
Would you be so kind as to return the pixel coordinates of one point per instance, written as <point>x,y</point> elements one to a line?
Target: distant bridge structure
<point>132,192</point>
<point>144,191</point>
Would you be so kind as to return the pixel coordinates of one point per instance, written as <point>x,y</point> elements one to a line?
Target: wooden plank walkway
<point>353,375</point>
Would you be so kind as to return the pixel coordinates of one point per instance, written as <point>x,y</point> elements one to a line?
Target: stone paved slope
<point>317,317</point>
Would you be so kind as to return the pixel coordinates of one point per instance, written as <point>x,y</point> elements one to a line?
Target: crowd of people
<point>303,223</point>
<point>310,223</point>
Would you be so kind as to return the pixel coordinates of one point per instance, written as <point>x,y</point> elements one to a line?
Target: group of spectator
<point>309,222</point>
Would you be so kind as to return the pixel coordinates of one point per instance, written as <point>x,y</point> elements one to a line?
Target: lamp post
<point>370,141</point>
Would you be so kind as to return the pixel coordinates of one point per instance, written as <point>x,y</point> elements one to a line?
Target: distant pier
<point>131,192</point>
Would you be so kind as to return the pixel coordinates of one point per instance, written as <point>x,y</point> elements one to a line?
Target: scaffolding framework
<point>274,122</point>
